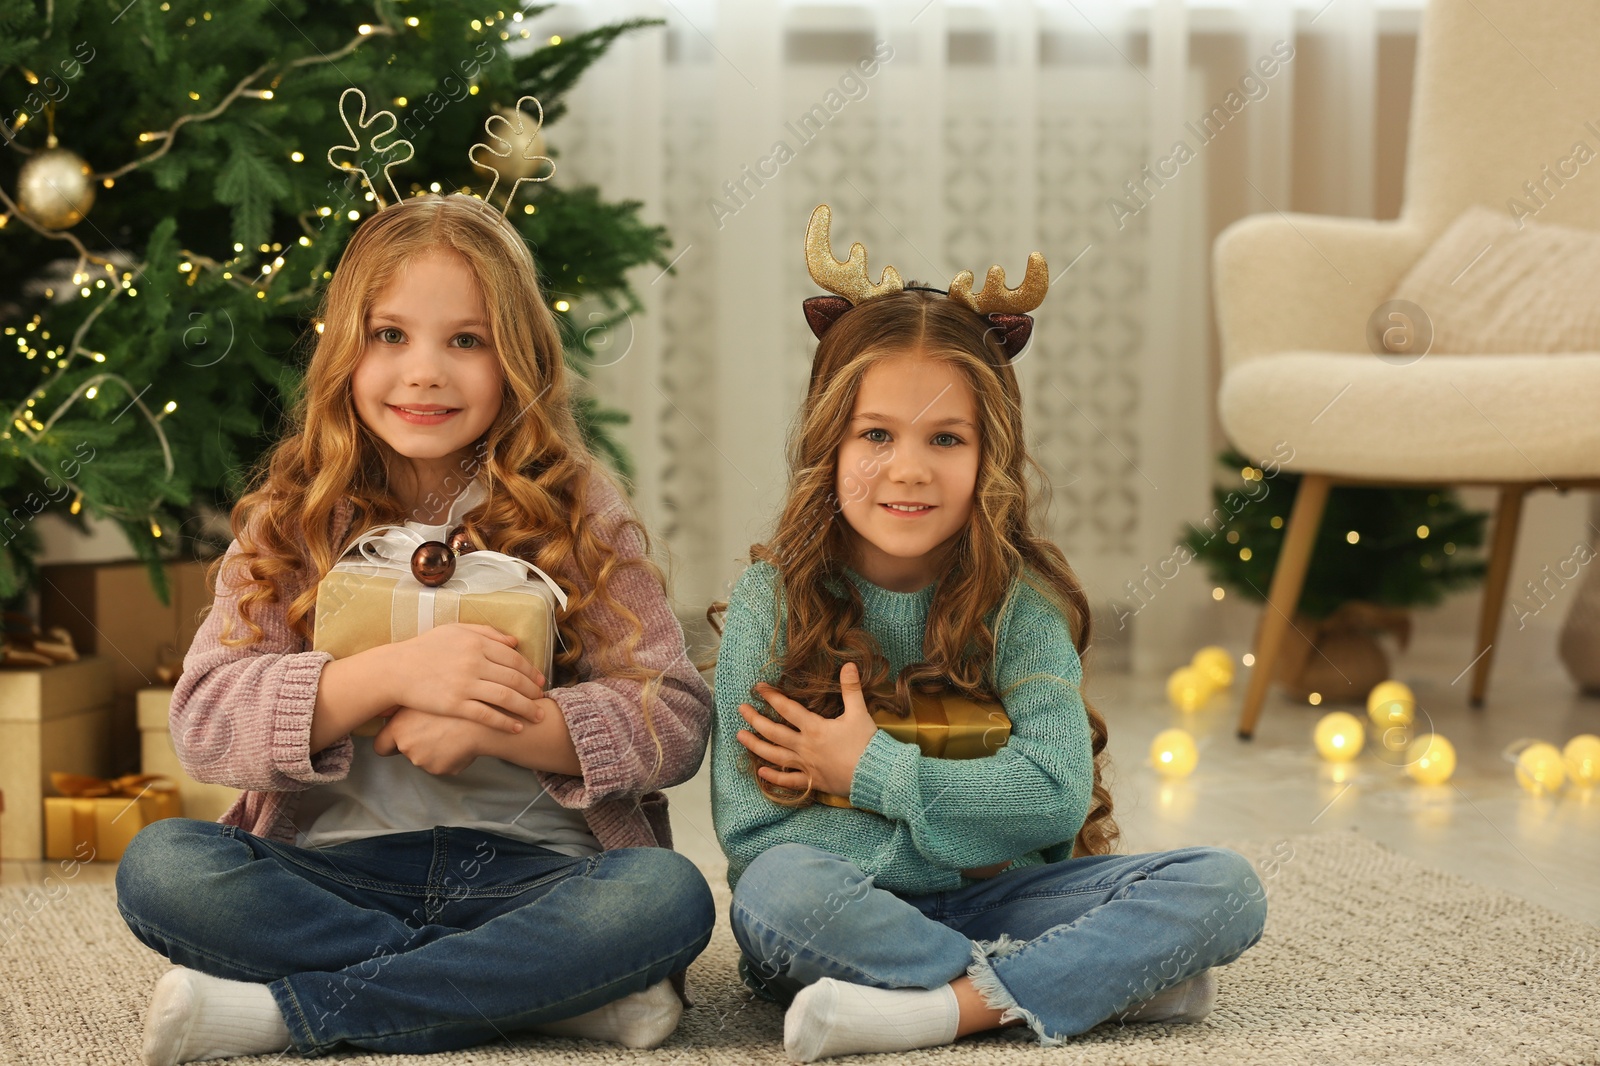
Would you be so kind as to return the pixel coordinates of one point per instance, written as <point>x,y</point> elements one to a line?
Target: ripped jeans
<point>1063,946</point>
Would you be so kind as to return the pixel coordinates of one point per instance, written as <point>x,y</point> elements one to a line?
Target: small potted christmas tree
<point>1379,553</point>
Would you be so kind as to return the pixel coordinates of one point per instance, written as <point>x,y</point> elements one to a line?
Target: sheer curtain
<point>1116,138</point>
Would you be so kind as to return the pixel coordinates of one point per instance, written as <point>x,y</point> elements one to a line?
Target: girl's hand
<point>811,751</point>
<point>468,671</point>
<point>435,743</point>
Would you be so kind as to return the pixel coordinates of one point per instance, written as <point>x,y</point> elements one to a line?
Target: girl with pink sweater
<point>497,859</point>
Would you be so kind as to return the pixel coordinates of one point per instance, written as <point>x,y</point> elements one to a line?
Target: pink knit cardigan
<point>241,716</point>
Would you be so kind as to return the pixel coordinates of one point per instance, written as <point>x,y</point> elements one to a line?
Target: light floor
<point>1481,825</point>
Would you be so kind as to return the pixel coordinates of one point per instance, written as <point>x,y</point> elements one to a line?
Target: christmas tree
<point>1389,546</point>
<point>168,217</point>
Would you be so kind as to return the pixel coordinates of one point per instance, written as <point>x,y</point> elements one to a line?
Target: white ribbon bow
<point>391,548</point>
<point>387,550</point>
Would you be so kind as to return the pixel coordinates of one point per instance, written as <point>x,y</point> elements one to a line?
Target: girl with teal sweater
<point>927,898</point>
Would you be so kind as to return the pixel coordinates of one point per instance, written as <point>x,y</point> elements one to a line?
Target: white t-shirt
<point>387,794</point>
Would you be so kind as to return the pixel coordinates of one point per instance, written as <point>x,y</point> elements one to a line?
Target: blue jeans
<point>413,942</point>
<point>1062,946</point>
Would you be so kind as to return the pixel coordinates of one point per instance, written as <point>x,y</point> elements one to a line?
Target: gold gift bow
<point>83,786</point>
<point>84,789</point>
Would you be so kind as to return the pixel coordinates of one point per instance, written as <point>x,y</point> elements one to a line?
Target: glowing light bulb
<point>1391,703</point>
<point>1173,753</point>
<point>1540,769</point>
<point>1431,759</point>
<point>1215,663</point>
<point>1188,688</point>
<point>1582,758</point>
<point>1339,736</point>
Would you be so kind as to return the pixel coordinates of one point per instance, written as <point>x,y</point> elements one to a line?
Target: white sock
<point>639,1020</point>
<point>1186,1001</point>
<point>838,1018</point>
<point>194,1016</point>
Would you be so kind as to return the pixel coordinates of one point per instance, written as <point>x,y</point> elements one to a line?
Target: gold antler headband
<point>1005,308</point>
<point>366,143</point>
<point>994,297</point>
<point>849,278</point>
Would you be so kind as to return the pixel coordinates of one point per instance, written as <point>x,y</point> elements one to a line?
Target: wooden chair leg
<point>1287,580</point>
<point>1503,546</point>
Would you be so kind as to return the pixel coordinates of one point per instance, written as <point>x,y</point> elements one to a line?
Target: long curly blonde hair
<point>532,460</point>
<point>996,551</point>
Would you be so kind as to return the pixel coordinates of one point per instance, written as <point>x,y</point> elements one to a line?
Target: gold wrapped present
<point>944,726</point>
<point>96,817</point>
<point>372,598</point>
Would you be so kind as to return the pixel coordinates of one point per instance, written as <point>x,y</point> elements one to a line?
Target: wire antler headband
<point>366,144</point>
<point>1005,308</point>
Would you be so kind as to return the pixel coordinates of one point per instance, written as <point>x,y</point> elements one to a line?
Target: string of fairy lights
<point>1352,536</point>
<point>1540,768</point>
<point>120,281</point>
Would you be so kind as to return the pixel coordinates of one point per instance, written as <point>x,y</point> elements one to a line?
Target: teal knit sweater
<point>1025,803</point>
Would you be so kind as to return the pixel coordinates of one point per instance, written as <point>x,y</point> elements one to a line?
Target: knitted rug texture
<point>1367,957</point>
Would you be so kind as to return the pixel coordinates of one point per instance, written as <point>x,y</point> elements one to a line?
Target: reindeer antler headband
<point>1006,309</point>
<point>366,144</point>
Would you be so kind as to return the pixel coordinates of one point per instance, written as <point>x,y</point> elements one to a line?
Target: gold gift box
<point>97,818</point>
<point>943,726</point>
<point>357,611</point>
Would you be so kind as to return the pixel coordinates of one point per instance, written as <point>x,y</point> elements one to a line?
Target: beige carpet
<point>1367,958</point>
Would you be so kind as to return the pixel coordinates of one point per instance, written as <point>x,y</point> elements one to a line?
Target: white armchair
<point>1502,89</point>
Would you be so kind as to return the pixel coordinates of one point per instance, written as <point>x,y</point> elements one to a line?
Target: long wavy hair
<point>997,551</point>
<point>532,460</point>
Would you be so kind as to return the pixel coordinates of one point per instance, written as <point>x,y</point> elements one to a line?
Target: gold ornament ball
<point>55,188</point>
<point>530,142</point>
<point>1339,736</point>
<point>1391,703</point>
<point>1431,759</point>
<point>1215,663</point>
<point>1539,768</point>
<point>1173,753</point>
<point>1188,688</point>
<point>1582,756</point>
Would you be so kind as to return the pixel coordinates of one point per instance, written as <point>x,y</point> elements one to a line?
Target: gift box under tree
<point>52,718</point>
<point>95,818</point>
